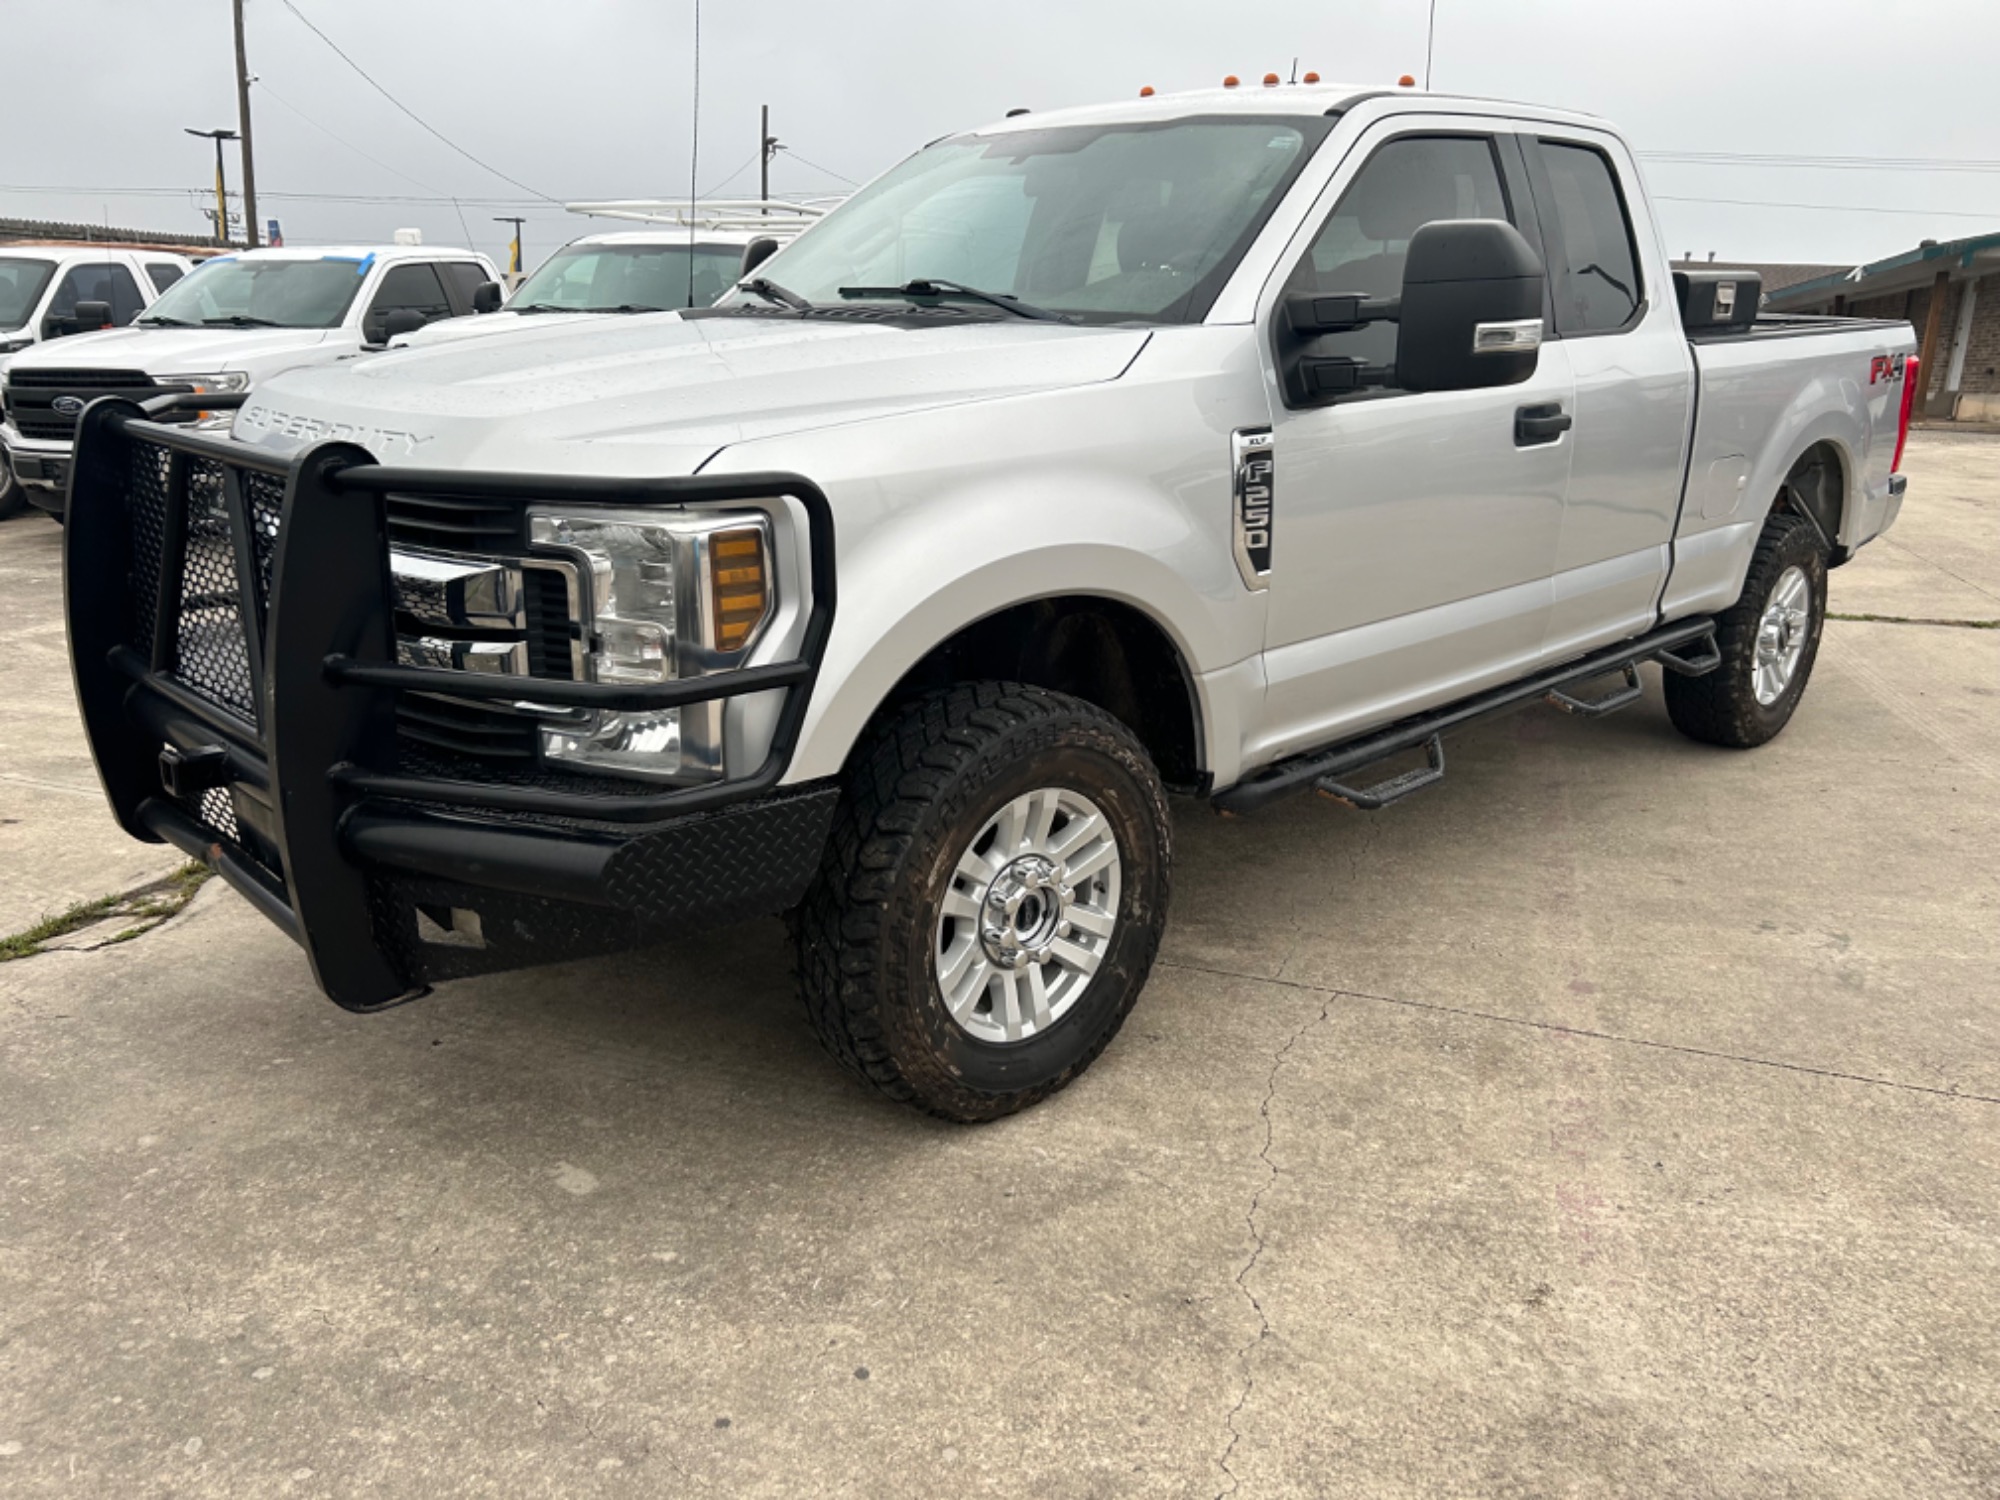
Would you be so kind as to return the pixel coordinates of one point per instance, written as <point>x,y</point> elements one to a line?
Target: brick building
<point>1950,293</point>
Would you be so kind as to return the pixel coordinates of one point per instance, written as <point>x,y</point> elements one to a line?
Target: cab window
<point>413,285</point>
<point>110,283</point>
<point>1361,248</point>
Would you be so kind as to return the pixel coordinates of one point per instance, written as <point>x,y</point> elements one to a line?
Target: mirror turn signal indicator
<point>739,582</point>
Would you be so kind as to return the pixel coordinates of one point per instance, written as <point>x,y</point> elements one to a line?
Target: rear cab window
<point>163,274</point>
<point>1587,229</point>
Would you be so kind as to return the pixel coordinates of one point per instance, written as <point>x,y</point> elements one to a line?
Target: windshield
<point>272,293</point>
<point>1104,223</point>
<point>21,283</point>
<point>604,278</point>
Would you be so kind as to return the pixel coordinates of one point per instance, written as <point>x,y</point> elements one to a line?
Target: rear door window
<point>1589,235</point>
<point>110,283</point>
<point>164,274</point>
<point>465,277</point>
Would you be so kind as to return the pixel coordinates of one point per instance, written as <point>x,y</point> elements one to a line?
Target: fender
<point>909,588</point>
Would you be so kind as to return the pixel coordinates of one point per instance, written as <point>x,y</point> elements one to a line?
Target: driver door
<point>1415,533</point>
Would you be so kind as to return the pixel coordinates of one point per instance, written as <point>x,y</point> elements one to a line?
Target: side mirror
<point>91,316</point>
<point>402,320</point>
<point>487,297</point>
<point>757,252</point>
<point>1471,307</point>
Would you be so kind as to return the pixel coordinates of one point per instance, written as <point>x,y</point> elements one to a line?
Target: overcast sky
<point>592,99</point>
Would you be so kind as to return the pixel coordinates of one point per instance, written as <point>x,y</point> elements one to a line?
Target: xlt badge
<point>1253,493</point>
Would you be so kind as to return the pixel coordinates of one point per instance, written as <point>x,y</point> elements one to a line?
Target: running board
<point>1324,768</point>
<point>1623,696</point>
<point>1395,788</point>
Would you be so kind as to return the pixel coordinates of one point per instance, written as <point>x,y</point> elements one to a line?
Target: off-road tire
<point>12,500</point>
<point>1720,707</point>
<point>917,792</point>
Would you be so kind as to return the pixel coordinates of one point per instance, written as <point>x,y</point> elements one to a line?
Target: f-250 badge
<point>1254,491</point>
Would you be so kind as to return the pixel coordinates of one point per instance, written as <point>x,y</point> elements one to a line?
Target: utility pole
<point>514,257</point>
<point>221,192</point>
<point>243,125</point>
<point>770,149</point>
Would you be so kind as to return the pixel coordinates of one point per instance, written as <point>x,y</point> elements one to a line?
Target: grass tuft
<point>146,908</point>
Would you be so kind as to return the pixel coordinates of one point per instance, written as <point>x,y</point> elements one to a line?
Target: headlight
<point>228,383</point>
<point>670,594</point>
<point>14,346</point>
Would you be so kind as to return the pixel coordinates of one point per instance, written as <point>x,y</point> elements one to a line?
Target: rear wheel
<point>1769,640</point>
<point>991,899</point>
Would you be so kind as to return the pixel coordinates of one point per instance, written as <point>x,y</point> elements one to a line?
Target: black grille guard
<point>307,751</point>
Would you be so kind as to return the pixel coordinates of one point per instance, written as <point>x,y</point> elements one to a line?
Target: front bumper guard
<point>389,879</point>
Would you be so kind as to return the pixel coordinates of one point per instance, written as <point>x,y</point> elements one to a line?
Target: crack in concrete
<point>1557,1028</point>
<point>1243,1355</point>
<point>1867,619</point>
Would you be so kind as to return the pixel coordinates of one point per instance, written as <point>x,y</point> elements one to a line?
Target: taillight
<point>1912,368</point>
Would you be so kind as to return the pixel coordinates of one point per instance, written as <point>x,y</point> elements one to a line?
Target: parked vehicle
<point>686,259</point>
<point>50,291</point>
<point>235,321</point>
<point>1224,444</point>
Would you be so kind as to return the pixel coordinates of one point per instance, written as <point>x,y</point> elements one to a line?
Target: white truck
<point>686,257</point>
<point>53,291</point>
<point>235,321</point>
<point>1224,444</point>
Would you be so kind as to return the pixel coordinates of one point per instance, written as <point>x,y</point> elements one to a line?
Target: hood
<point>484,325</point>
<point>183,351</point>
<point>659,394</point>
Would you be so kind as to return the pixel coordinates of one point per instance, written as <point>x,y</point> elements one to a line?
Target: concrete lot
<point>1621,1118</point>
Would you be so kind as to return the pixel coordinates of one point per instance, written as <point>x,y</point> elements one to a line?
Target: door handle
<point>1540,424</point>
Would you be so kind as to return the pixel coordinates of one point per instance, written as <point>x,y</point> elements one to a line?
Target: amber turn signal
<point>739,583</point>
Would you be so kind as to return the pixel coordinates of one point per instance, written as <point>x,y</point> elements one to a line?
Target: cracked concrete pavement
<point>1622,1117</point>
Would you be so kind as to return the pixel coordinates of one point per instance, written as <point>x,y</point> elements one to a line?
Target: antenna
<point>694,149</point>
<point>1430,41</point>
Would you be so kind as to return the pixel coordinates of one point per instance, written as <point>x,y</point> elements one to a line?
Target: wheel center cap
<point>1023,912</point>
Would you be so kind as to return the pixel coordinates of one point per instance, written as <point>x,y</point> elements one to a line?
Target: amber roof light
<point>1312,78</point>
<point>1406,81</point>
<point>1231,81</point>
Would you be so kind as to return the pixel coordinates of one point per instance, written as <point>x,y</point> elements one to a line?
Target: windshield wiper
<point>163,322</point>
<point>538,307</point>
<point>241,320</point>
<point>933,289</point>
<point>770,291</point>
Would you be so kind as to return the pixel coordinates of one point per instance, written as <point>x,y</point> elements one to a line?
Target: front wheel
<point>991,899</point>
<point>12,501</point>
<point>1769,639</point>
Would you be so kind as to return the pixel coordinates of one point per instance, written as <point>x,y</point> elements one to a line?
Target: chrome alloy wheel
<point>1782,635</point>
<point>1028,915</point>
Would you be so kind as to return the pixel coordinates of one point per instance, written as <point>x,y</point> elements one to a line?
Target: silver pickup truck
<point>1226,444</point>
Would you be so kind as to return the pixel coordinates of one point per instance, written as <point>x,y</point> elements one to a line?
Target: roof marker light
<point>1312,78</point>
<point>1231,81</point>
<point>1271,80</point>
<point>1406,82</point>
<point>1146,92</point>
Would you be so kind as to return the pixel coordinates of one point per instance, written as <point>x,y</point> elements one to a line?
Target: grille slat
<point>450,524</point>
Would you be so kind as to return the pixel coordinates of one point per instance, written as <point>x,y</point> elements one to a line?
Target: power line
<point>817,167</point>
<point>407,110</point>
<point>1828,163</point>
<point>1833,208</point>
<point>340,140</point>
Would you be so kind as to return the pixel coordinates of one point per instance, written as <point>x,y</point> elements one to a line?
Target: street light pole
<point>243,124</point>
<point>221,193</point>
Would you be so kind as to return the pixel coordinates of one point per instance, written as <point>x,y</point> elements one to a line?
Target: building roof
<point>43,231</point>
<point>1899,272</point>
